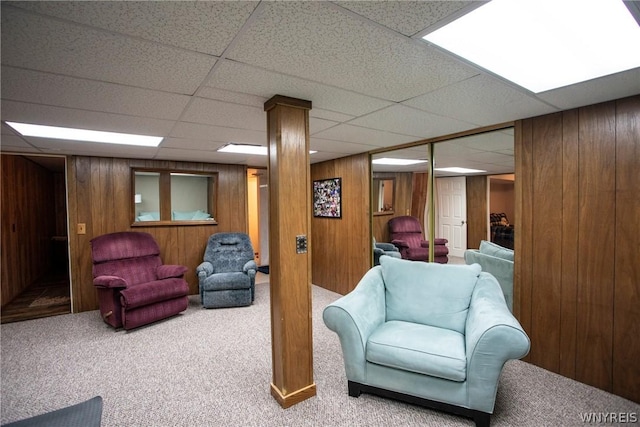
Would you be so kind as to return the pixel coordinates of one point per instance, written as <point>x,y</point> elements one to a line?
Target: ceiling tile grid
<point>71,92</point>
<point>234,76</point>
<point>481,100</point>
<point>405,17</point>
<point>84,119</point>
<point>205,26</point>
<point>328,46</point>
<point>199,73</point>
<point>43,44</point>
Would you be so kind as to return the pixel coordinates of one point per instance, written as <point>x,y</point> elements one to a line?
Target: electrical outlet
<point>82,228</point>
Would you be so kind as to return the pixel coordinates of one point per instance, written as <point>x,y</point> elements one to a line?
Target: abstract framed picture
<point>327,198</point>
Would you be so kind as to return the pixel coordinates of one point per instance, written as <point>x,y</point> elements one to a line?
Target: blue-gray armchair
<point>381,248</point>
<point>228,274</point>
<point>431,334</point>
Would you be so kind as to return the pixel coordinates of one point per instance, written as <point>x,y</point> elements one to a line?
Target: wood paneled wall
<point>99,194</point>
<point>403,194</point>
<point>476,210</point>
<point>28,224</point>
<point>342,248</point>
<point>577,246</point>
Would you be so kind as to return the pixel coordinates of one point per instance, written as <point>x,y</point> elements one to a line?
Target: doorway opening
<point>258,207</point>
<point>35,261</point>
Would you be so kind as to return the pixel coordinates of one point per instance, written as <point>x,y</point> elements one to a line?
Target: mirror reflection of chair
<point>134,287</point>
<point>227,274</point>
<point>498,261</point>
<point>406,233</point>
<point>381,248</point>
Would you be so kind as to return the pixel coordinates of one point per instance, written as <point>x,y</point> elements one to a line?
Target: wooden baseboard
<point>295,397</point>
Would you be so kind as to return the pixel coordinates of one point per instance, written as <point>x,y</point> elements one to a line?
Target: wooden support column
<point>290,249</point>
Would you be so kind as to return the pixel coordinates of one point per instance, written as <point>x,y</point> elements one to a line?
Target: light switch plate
<point>301,244</point>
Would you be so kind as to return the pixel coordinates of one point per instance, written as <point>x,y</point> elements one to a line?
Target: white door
<point>452,213</point>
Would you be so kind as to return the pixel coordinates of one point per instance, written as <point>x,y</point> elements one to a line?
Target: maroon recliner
<point>406,234</point>
<point>134,287</point>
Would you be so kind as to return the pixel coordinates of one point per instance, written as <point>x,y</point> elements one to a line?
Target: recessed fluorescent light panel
<point>259,150</point>
<point>244,149</point>
<point>459,170</point>
<point>396,162</point>
<point>545,44</point>
<point>85,135</point>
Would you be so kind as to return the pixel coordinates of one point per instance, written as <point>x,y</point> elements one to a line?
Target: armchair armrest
<point>386,246</point>
<point>250,268</point>
<point>110,282</point>
<point>354,317</point>
<point>493,336</point>
<point>400,243</point>
<point>168,270</point>
<point>205,269</point>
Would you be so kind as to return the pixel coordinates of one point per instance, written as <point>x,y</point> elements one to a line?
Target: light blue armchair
<point>498,261</point>
<point>228,274</point>
<point>431,334</point>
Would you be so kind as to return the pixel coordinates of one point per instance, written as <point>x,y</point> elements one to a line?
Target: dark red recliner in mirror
<point>405,232</point>
<point>134,287</point>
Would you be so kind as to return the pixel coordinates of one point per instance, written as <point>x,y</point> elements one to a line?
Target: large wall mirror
<point>173,197</point>
<point>473,176</point>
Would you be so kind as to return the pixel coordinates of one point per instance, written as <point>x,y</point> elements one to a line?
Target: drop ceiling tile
<point>365,136</point>
<point>191,144</point>
<point>329,115</point>
<point>307,39</point>
<point>206,27</point>
<point>218,133</point>
<point>71,92</point>
<point>233,76</point>
<point>82,119</point>
<point>217,113</point>
<point>409,121</point>
<point>482,100</point>
<point>318,125</point>
<point>211,157</point>
<point>15,143</point>
<point>342,147</point>
<point>230,96</point>
<point>39,43</point>
<point>594,91</point>
<point>491,141</point>
<point>406,17</point>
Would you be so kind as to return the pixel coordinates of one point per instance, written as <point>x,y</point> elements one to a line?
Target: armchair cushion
<point>231,280</point>
<point>401,345</point>
<point>153,292</point>
<point>428,293</point>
